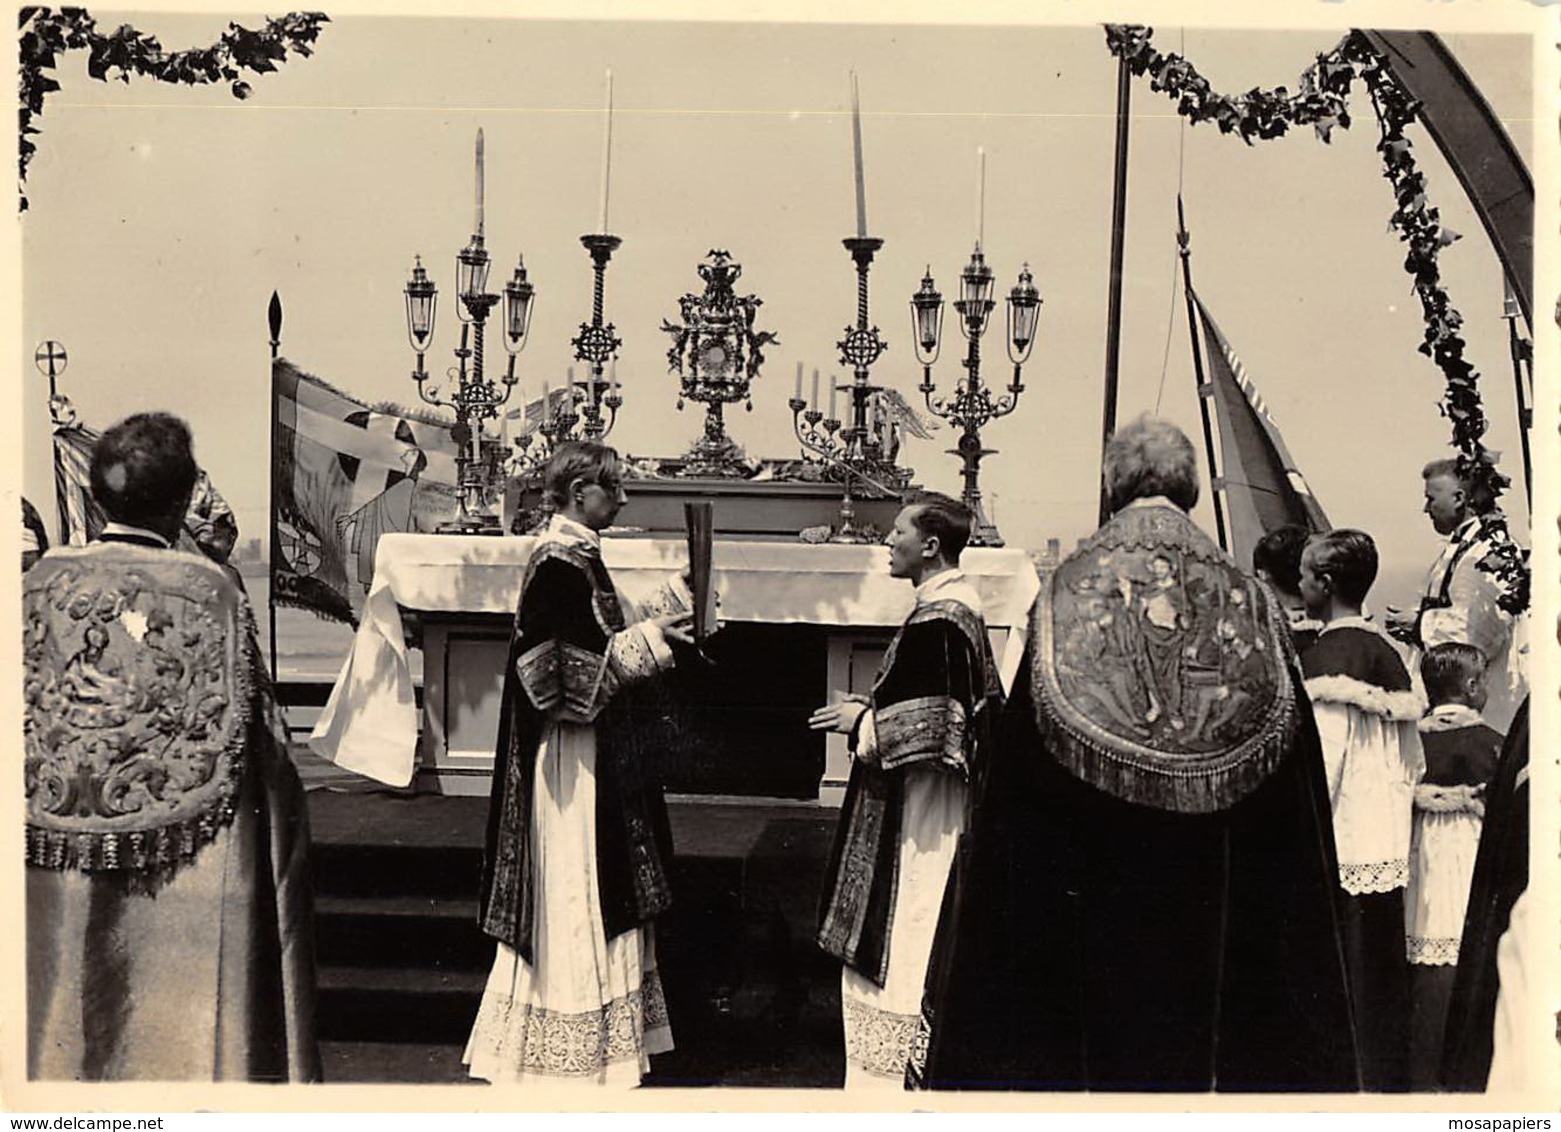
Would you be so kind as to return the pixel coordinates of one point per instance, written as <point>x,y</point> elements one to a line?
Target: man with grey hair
<point>1144,899</point>
<point>1458,602</point>
<point>169,923</point>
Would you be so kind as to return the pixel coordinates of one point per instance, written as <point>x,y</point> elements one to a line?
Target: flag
<point>1262,488</point>
<point>209,525</point>
<point>342,474</point>
<point>81,519</point>
<point>535,412</point>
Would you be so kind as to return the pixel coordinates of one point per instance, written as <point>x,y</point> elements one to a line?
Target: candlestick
<point>479,180</point>
<point>856,143</point>
<point>606,155</point>
<point>980,194</point>
<point>814,401</point>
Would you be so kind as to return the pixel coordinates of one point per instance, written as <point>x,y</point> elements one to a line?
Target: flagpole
<point>1522,351</point>
<point>274,320</point>
<point>1114,311</point>
<point>1183,241</point>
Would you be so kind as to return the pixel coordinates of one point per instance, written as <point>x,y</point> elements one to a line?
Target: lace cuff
<point>673,597</point>
<point>1361,879</point>
<point>1432,951</point>
<point>639,652</point>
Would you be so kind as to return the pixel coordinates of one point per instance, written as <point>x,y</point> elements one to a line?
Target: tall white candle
<point>479,180</point>
<point>613,375</point>
<point>606,155</point>
<point>980,195</point>
<point>797,396</point>
<point>834,390</point>
<point>814,401</point>
<point>856,145</point>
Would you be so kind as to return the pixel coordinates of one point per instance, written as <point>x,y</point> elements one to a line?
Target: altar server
<point>577,848</point>
<point>1460,757</point>
<point>169,919</point>
<point>915,747</point>
<point>1366,714</point>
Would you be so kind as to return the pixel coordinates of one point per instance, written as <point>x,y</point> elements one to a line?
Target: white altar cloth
<point>369,725</point>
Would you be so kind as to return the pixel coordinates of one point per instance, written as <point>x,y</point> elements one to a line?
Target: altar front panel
<point>802,620</point>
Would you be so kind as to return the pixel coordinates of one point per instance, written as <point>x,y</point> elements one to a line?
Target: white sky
<point>162,218</point>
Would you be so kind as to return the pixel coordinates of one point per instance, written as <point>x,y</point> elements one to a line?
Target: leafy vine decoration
<point>1322,102</point>
<point>46,34</point>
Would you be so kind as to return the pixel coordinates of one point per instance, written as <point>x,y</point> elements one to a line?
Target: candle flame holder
<point>849,449</point>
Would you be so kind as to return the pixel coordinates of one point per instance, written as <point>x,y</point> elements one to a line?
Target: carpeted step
<point>406,1063</point>
<point>429,1005</point>
<point>397,931</point>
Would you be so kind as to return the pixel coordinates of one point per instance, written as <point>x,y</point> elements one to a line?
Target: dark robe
<point>1500,877</point>
<point>929,702</point>
<point>1145,905</point>
<point>1361,670</point>
<point>169,912</point>
<point>1460,757</point>
<point>569,656</point>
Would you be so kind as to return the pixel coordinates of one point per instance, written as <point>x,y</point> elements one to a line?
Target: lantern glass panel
<point>421,297</point>
<point>1024,313</point>
<point>927,318</point>
<point>518,293</point>
<point>471,271</point>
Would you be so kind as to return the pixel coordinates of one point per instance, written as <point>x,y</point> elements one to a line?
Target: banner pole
<point>1183,241</point>
<point>274,318</point>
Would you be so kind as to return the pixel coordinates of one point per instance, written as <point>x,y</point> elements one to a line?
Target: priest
<point>914,743</point>
<point>169,918</point>
<point>1144,899</point>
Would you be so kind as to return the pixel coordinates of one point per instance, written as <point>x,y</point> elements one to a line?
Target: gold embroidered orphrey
<point>1161,671</point>
<point>137,683</point>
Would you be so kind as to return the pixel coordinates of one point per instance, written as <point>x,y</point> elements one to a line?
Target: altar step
<point>401,962</point>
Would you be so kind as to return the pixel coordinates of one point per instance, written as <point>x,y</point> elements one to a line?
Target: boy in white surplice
<point>1366,714</point>
<point>1460,756</point>
<point>913,743</point>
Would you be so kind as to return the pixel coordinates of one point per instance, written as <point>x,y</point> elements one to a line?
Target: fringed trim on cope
<point>1184,784</point>
<point>1398,707</point>
<point>150,857</point>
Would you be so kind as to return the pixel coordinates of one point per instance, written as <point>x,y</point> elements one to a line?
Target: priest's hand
<point>677,627</point>
<point>839,717</point>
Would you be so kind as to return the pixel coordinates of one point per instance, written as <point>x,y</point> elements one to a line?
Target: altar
<point>800,622</point>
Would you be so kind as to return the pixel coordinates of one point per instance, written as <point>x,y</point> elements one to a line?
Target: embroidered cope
<point>169,921</point>
<point>1144,894</point>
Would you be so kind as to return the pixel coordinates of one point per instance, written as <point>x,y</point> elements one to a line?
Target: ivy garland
<point>46,34</point>
<point>1322,102</point>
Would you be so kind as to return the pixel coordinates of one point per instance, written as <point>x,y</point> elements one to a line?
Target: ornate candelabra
<point>476,397</point>
<point>576,412</point>
<point>973,405</point>
<point>852,449</point>
<point>717,355</point>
